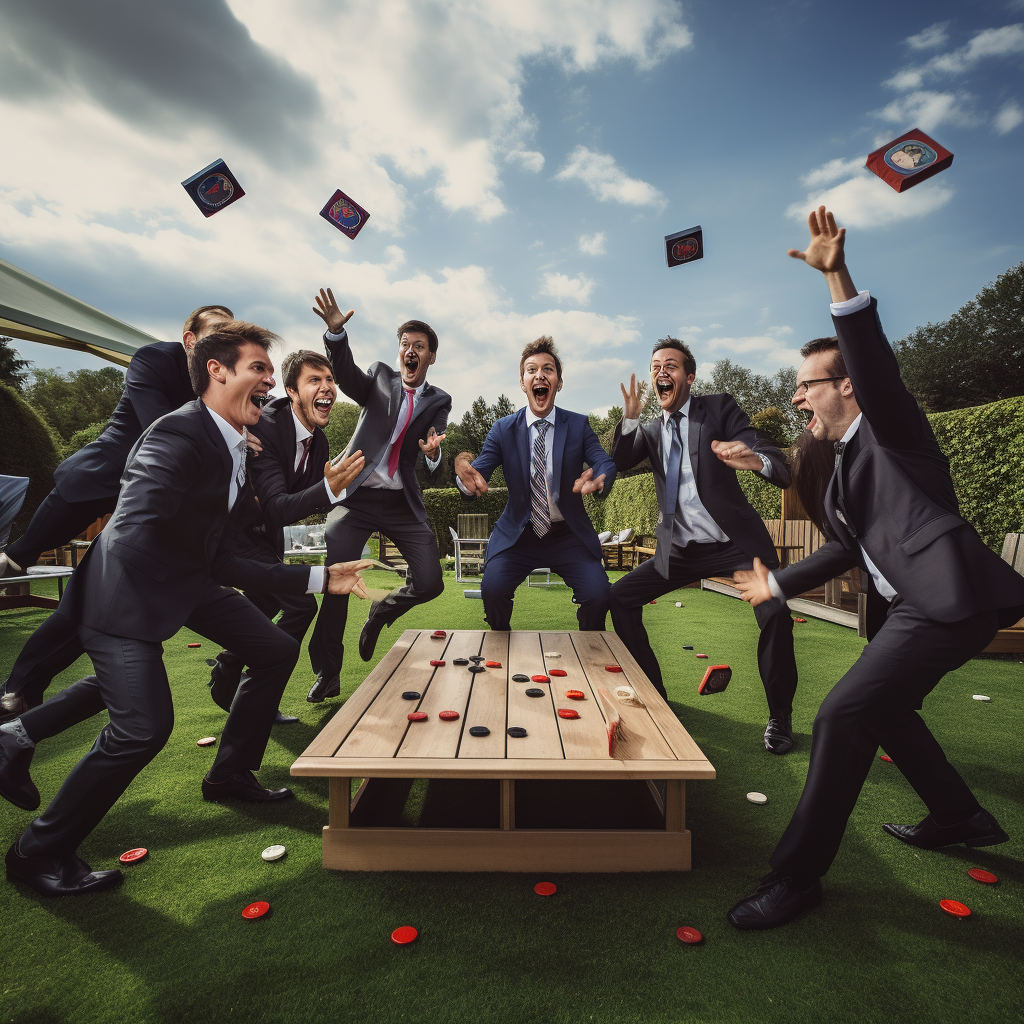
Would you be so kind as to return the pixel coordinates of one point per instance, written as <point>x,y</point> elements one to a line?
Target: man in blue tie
<point>543,450</point>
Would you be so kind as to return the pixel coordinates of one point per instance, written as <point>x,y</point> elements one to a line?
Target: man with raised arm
<point>937,595</point>
<point>543,450</point>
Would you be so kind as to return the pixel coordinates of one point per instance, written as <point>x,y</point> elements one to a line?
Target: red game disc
<point>417,716</point>
<point>206,741</point>
<point>981,875</point>
<point>652,602</point>
<point>575,695</point>
<point>255,910</point>
<point>689,935</point>
<point>195,645</point>
<point>540,679</point>
<point>613,668</point>
<point>955,908</point>
<point>545,888</point>
<point>558,672</point>
<point>130,856</point>
<point>799,620</point>
<point>885,757</point>
<point>448,716</point>
<point>701,655</point>
<point>438,634</point>
<point>568,713</point>
<point>404,935</point>
<point>492,664</point>
<point>436,664</point>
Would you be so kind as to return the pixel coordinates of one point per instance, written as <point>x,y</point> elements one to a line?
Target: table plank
<point>535,714</point>
<point>488,702</point>
<point>584,737</point>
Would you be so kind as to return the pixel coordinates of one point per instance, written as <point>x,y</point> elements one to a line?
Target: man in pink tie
<point>401,415</point>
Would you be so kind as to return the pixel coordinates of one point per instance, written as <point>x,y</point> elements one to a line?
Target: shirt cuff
<point>461,487</point>
<point>432,464</point>
<point>766,470</point>
<point>862,300</point>
<point>628,426</point>
<point>335,337</point>
<point>316,579</point>
<point>330,494</point>
<point>773,586</point>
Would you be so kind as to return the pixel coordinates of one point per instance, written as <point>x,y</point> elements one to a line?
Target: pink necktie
<point>396,448</point>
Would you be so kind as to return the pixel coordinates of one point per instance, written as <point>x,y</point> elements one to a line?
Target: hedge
<point>29,449</point>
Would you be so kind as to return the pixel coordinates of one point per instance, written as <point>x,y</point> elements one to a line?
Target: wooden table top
<point>371,735</point>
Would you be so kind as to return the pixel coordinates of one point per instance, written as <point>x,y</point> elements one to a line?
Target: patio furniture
<point>470,544</point>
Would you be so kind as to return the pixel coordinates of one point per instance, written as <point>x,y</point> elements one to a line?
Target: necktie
<point>243,448</point>
<point>840,445</point>
<point>540,515</point>
<point>675,458</point>
<point>396,448</point>
<point>306,442</point>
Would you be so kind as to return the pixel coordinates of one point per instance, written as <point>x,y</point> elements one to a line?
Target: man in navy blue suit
<point>543,451</point>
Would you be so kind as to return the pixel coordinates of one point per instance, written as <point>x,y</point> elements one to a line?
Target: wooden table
<point>554,800</point>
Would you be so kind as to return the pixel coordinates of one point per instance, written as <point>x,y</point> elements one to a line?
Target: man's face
<point>245,389</point>
<point>829,402</point>
<point>313,395</point>
<point>670,381</point>
<point>207,322</point>
<point>540,382</point>
<point>414,356</point>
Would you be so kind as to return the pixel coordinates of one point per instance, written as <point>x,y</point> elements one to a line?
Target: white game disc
<point>981,696</point>
<point>757,798</point>
<point>273,853</point>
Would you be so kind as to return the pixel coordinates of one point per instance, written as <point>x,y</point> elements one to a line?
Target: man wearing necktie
<point>937,594</point>
<point>400,416</point>
<point>706,526</point>
<point>543,450</point>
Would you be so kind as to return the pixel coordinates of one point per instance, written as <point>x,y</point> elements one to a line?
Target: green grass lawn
<point>170,944</point>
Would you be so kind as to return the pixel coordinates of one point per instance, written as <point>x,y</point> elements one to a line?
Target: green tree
<point>753,392</point>
<point>13,369</point>
<point>974,357</point>
<point>70,402</point>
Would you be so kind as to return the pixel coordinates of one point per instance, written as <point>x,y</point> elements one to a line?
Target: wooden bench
<point>16,592</point>
<point>1011,640</point>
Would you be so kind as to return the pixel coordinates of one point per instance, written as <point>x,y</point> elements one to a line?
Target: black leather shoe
<point>58,876</point>
<point>285,719</point>
<point>980,829</point>
<point>370,631</point>
<point>222,688</point>
<point>324,688</point>
<point>16,784</point>
<point>12,705</point>
<point>242,786</point>
<point>774,902</point>
<point>778,735</point>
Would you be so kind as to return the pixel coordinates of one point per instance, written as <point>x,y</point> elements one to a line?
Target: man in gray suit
<point>937,596</point>
<point>401,416</point>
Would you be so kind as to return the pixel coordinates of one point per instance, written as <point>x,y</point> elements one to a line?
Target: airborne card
<point>908,160</point>
<point>684,246</point>
<point>213,188</point>
<point>345,214</point>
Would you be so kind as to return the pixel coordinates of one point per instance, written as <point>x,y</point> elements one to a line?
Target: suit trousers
<point>876,704</point>
<point>775,659</point>
<point>56,522</point>
<point>559,550</point>
<point>131,683</point>
<point>349,527</point>
<point>52,648</point>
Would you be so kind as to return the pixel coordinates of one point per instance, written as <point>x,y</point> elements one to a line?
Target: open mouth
<point>665,387</point>
<point>260,399</point>
<point>541,391</point>
<point>411,364</point>
<point>812,422</point>
<point>323,404</point>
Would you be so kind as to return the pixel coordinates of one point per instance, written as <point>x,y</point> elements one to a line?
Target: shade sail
<point>33,310</point>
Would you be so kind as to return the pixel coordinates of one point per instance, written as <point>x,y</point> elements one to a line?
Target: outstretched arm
<point>826,252</point>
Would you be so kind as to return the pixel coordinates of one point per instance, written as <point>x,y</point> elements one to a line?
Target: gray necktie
<point>540,515</point>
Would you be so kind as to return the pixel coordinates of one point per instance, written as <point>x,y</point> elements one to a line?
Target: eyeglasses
<point>801,388</point>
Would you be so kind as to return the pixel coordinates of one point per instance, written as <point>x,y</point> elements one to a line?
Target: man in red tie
<point>401,415</point>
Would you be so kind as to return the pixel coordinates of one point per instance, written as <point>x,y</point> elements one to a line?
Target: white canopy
<point>33,310</point>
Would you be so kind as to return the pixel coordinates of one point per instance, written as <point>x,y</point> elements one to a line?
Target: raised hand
<point>825,250</point>
<point>344,578</point>
<point>736,455</point>
<point>469,477</point>
<point>753,584</point>
<point>632,400</point>
<point>588,483</point>
<point>340,473</point>
<point>328,310</point>
<point>432,443</point>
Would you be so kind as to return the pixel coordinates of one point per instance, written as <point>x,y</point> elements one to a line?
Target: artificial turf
<point>171,945</point>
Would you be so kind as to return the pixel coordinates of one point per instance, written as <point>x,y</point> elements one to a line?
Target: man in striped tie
<point>543,450</point>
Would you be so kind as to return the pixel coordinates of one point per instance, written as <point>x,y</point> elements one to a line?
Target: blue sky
<point>521,162</point>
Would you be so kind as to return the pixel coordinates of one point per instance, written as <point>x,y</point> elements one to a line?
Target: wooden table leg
<point>675,805</point>
<point>508,804</point>
<point>339,800</point>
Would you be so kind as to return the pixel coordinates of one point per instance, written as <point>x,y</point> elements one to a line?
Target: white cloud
<point>528,159</point>
<point>563,288</point>
<point>593,245</point>
<point>606,180</point>
<point>990,42</point>
<point>683,331</point>
<point>831,171</point>
<point>1008,117</point>
<point>927,110</point>
<point>759,349</point>
<point>930,38</point>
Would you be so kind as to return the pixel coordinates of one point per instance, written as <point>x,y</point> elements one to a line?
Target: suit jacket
<point>576,445</point>
<point>710,418</point>
<point>285,496</point>
<point>166,547</point>
<point>378,391</point>
<point>896,495</point>
<point>155,383</point>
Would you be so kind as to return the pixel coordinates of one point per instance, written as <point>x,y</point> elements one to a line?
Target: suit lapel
<point>654,444</point>
<point>695,424</point>
<point>397,394</point>
<point>521,447</point>
<point>561,431</point>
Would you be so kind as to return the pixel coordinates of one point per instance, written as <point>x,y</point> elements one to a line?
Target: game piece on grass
<point>981,875</point>
<point>715,680</point>
<point>131,856</point>
<point>545,888</point>
<point>689,935</point>
<point>206,741</point>
<point>255,910</point>
<point>757,798</point>
<point>404,935</point>
<point>955,908</point>
<point>273,853</point>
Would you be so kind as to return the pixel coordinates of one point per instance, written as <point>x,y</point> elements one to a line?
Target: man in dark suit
<point>400,416</point>
<point>706,526</point>
<point>86,486</point>
<point>292,479</point>
<point>157,566</point>
<point>543,450</point>
<point>937,596</point>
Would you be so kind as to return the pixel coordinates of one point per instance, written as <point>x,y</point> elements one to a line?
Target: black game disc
<point>516,730</point>
<point>410,695</point>
<point>479,730</point>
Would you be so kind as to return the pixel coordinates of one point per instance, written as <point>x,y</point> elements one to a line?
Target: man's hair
<point>199,318</point>
<point>224,344</point>
<point>542,344</point>
<point>418,326</point>
<point>293,364</point>
<point>837,365</point>
<point>689,363</point>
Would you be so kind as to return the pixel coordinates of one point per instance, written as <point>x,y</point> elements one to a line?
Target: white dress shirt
<point>549,447</point>
<point>301,433</point>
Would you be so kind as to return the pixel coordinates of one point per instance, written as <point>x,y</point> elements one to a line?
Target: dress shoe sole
<point>993,839</point>
<point>216,798</point>
<point>19,801</point>
<point>107,880</point>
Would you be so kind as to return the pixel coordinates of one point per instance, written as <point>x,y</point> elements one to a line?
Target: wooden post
<point>675,805</point>
<point>339,799</point>
<point>508,804</point>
